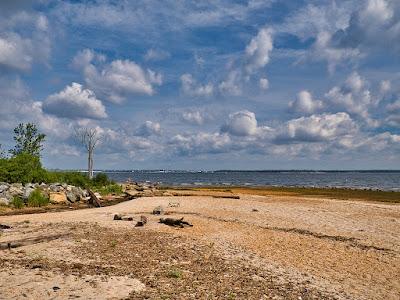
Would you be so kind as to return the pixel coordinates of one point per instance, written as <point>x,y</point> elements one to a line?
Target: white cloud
<point>232,85</point>
<point>192,88</point>
<point>241,123</point>
<point>156,55</point>
<point>117,80</point>
<point>201,143</point>
<point>20,52</point>
<point>75,102</point>
<point>149,128</point>
<point>305,103</point>
<point>263,83</point>
<point>193,117</point>
<point>317,128</point>
<point>354,97</point>
<point>257,52</point>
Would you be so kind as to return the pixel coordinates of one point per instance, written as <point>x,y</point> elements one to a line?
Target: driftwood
<point>3,226</point>
<point>31,241</point>
<point>175,222</point>
<point>142,222</point>
<point>93,199</point>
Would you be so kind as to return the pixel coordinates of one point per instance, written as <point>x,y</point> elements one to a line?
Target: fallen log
<point>31,241</point>
<point>93,199</point>
<point>175,222</point>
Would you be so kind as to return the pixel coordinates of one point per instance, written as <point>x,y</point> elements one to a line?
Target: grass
<point>109,189</point>
<point>17,202</point>
<point>36,199</point>
<point>175,273</point>
<point>332,193</point>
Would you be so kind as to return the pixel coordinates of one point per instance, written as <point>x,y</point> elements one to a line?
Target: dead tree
<point>89,138</point>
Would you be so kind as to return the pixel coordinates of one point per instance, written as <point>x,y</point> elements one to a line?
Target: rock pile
<point>136,190</point>
<point>57,192</point>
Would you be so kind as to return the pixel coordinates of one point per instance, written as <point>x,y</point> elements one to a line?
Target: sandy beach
<point>255,247</point>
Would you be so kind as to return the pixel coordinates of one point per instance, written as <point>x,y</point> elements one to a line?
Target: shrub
<point>101,179</point>
<point>110,189</point>
<point>175,273</point>
<point>36,199</point>
<point>17,202</point>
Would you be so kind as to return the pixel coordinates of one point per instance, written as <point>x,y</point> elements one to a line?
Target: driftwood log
<point>175,222</point>
<point>93,199</point>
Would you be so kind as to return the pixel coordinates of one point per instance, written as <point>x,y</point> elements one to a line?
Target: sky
<point>205,85</point>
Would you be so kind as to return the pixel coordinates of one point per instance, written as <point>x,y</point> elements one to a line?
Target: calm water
<point>383,180</point>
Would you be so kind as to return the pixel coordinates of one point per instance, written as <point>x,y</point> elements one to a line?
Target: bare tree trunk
<point>90,164</point>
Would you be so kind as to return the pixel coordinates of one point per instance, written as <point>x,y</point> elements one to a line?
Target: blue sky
<point>217,84</point>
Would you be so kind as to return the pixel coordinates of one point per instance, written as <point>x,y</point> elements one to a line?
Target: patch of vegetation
<point>175,273</point>
<point>17,202</point>
<point>37,199</point>
<point>109,189</point>
<point>331,193</point>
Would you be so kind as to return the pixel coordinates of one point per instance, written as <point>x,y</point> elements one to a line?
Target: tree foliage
<point>28,140</point>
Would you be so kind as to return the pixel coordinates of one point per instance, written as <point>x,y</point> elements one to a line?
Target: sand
<point>255,247</point>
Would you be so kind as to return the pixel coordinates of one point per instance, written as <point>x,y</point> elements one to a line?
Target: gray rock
<point>4,201</point>
<point>159,210</point>
<point>4,187</point>
<point>27,192</point>
<point>71,197</point>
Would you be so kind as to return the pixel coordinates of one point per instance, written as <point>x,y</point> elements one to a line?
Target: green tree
<point>27,140</point>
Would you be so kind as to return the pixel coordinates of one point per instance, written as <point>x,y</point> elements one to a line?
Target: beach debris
<point>119,217</point>
<point>227,196</point>
<point>94,200</point>
<point>254,210</point>
<point>4,226</point>
<point>174,204</point>
<point>159,210</point>
<point>142,222</point>
<point>175,222</point>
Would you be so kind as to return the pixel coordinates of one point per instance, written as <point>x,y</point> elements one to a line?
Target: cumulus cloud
<point>241,123</point>
<point>148,128</point>
<point>201,143</point>
<point>393,109</point>
<point>354,97</point>
<point>304,103</point>
<point>263,83</point>
<point>75,102</point>
<point>20,51</point>
<point>317,128</point>
<point>257,52</point>
<point>192,88</point>
<point>156,55</point>
<point>117,80</point>
<point>193,117</point>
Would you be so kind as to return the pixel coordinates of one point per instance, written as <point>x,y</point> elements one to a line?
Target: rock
<point>159,210</point>
<point>57,197</point>
<point>4,187</point>
<point>97,195</point>
<point>167,194</point>
<point>117,217</point>
<point>254,210</point>
<point>16,189</point>
<point>174,204</point>
<point>71,197</point>
<point>132,193</point>
<point>27,192</point>
<point>4,201</point>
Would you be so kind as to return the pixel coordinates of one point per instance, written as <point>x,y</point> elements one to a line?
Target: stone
<point>4,201</point>
<point>159,210</point>
<point>27,192</point>
<point>71,197</point>
<point>97,195</point>
<point>117,217</point>
<point>16,189</point>
<point>58,197</point>
<point>132,193</point>
<point>4,187</point>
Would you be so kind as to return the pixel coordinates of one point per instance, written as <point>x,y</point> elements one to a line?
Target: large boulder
<point>4,187</point>
<point>27,192</point>
<point>71,197</point>
<point>4,201</point>
<point>58,197</point>
<point>16,189</point>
